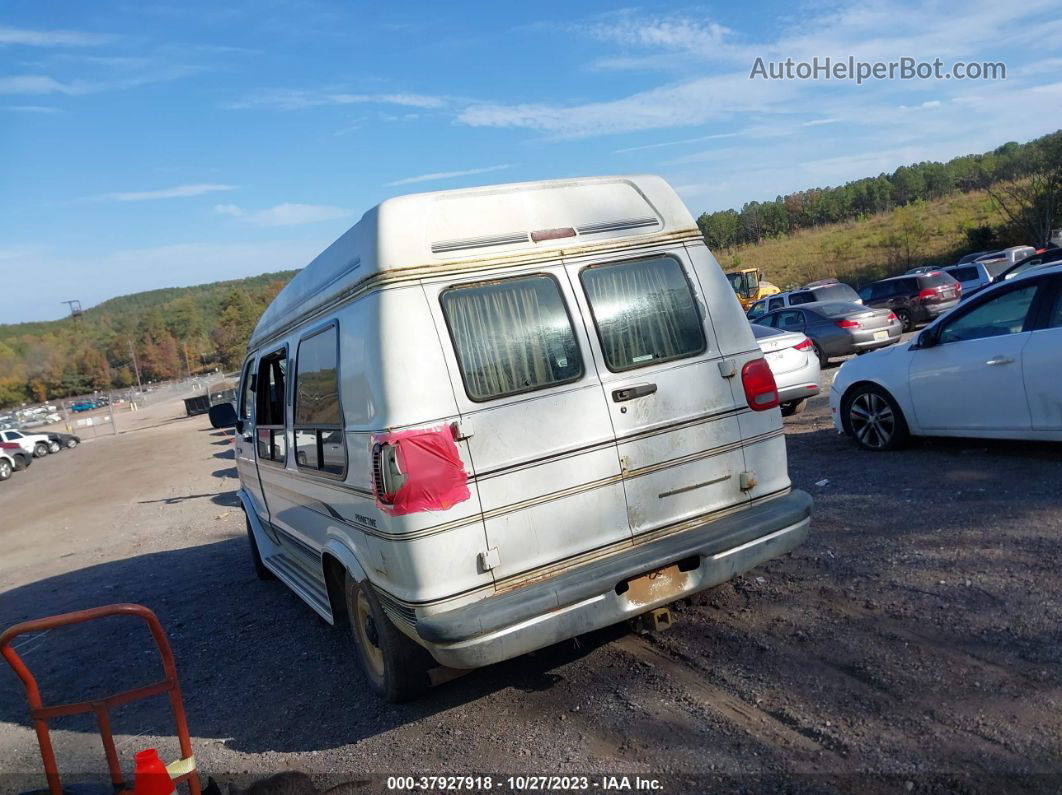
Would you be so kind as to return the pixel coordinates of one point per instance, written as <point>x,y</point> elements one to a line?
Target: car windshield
<point>839,308</point>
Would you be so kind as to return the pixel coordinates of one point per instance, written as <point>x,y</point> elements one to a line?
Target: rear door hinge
<point>727,368</point>
<point>462,429</point>
<point>747,481</point>
<point>489,559</point>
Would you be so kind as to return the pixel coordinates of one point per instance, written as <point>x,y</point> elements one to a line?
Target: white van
<point>484,421</point>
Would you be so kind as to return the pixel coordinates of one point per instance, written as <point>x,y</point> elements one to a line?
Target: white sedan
<point>990,368</point>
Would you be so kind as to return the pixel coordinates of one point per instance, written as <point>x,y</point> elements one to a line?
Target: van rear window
<point>644,312</point>
<point>511,336</point>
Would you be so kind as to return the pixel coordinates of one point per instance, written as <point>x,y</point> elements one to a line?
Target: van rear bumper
<point>587,598</point>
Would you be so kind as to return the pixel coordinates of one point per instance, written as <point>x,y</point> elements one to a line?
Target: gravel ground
<point>911,644</point>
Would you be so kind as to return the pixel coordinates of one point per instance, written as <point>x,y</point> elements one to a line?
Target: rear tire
<point>821,354</point>
<point>53,447</point>
<point>260,570</point>
<point>40,450</point>
<point>794,407</point>
<point>71,444</point>
<point>5,469</point>
<point>872,417</point>
<point>906,323</point>
<point>395,667</point>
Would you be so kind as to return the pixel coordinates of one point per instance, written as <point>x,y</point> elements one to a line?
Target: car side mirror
<point>223,415</point>
<point>925,339</point>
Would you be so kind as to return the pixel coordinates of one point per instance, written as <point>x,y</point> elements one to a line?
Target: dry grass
<point>872,248</point>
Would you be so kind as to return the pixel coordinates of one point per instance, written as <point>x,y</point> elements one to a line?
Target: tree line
<point>1010,164</point>
<point>163,334</point>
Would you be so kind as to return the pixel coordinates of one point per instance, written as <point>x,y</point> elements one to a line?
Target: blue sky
<point>159,144</point>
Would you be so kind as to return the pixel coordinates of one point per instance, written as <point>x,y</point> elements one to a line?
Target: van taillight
<point>761,392</point>
<point>387,478</point>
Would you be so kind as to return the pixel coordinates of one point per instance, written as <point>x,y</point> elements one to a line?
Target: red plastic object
<point>761,392</point>
<point>435,475</point>
<point>150,776</point>
<point>41,714</point>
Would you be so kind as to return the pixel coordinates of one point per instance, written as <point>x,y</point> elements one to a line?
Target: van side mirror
<point>223,415</point>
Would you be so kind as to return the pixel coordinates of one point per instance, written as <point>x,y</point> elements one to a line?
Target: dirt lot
<point>912,643</point>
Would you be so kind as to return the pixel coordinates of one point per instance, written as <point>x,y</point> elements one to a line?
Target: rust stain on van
<point>655,586</point>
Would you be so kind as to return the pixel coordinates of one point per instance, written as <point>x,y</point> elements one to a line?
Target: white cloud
<point>51,38</point>
<point>294,99</point>
<point>178,192</point>
<point>32,109</point>
<point>440,175</point>
<point>45,84</point>
<point>287,214</point>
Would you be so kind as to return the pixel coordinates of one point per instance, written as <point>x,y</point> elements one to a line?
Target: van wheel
<point>40,450</point>
<point>794,407</point>
<point>395,666</point>
<point>5,469</point>
<point>260,569</point>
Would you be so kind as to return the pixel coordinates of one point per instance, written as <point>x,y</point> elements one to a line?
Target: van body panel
<point>243,447</point>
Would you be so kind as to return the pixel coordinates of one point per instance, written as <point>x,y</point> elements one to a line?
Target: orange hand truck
<point>183,769</point>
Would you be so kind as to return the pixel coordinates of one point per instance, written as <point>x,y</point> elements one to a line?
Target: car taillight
<point>891,317</point>
<point>805,345</point>
<point>387,478</point>
<point>847,324</point>
<point>958,288</point>
<point>927,293</point>
<point>761,392</point>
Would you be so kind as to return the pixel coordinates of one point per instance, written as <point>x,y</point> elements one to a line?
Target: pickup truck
<point>37,444</point>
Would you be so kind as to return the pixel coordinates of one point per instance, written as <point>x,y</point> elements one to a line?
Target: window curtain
<point>501,334</point>
<point>644,311</point>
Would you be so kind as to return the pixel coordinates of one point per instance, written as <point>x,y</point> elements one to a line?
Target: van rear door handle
<point>631,392</point>
<point>999,360</point>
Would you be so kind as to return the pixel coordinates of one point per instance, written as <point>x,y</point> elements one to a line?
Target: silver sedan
<point>794,364</point>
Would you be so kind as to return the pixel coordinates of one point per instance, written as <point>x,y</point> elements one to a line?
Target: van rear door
<point>672,405</point>
<point>243,444</point>
<point>539,435</point>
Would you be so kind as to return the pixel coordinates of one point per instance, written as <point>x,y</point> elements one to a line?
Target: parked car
<point>972,277</point>
<point>990,368</point>
<point>827,290</point>
<point>915,299</point>
<point>7,465</point>
<point>37,444</point>
<point>21,458</point>
<point>63,440</point>
<point>973,257</point>
<point>999,261</point>
<point>85,405</point>
<point>554,432</point>
<point>793,362</point>
<point>838,328</point>
<point>1046,257</point>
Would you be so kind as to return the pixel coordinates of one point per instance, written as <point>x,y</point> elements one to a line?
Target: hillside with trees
<point>171,333</point>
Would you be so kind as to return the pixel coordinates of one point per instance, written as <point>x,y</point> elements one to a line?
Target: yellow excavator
<point>750,286</point>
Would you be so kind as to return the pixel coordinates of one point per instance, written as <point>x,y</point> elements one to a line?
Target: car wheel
<point>794,407</point>
<point>53,447</point>
<point>906,323</point>
<point>395,667</point>
<point>5,469</point>
<point>40,450</point>
<point>821,354</point>
<point>260,570</point>
<point>71,444</point>
<point>873,419</point>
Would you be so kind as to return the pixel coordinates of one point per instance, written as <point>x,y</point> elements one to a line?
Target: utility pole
<point>136,367</point>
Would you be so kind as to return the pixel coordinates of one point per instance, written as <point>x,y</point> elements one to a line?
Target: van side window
<point>319,440</point>
<point>246,406</point>
<point>511,336</point>
<point>269,407</point>
<point>644,312</point>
